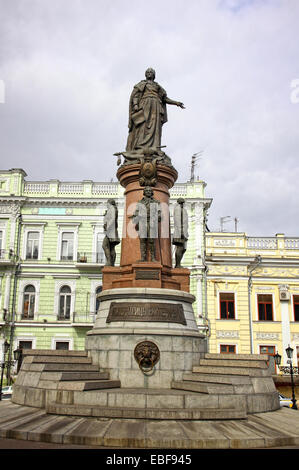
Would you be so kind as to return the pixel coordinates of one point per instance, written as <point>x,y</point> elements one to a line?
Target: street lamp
<point>18,357</point>
<point>288,370</point>
<point>289,352</point>
<point>277,359</point>
<point>5,349</point>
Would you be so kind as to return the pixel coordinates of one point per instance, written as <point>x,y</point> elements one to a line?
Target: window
<point>67,246</point>
<point>265,307</point>
<point>65,296</point>
<point>296,307</point>
<point>227,305</point>
<point>98,291</point>
<point>32,245</point>
<point>29,302</point>
<point>25,344</point>
<point>1,241</point>
<point>62,345</point>
<point>228,348</point>
<point>270,350</point>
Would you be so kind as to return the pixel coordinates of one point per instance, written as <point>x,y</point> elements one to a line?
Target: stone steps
<point>70,368</point>
<point>202,387</point>
<point>217,378</point>
<point>233,363</point>
<point>146,413</point>
<point>61,360</point>
<point>88,385</point>
<point>54,353</point>
<point>237,357</point>
<point>220,387</point>
<point>73,376</point>
<point>143,399</point>
<point>223,370</point>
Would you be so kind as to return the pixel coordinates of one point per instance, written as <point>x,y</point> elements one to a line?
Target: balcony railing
<point>83,317</point>
<point>287,370</point>
<point>262,243</point>
<point>104,189</point>
<point>70,188</point>
<point>86,317</point>
<point>178,190</point>
<point>88,257</point>
<point>292,243</point>
<point>7,255</point>
<point>34,188</point>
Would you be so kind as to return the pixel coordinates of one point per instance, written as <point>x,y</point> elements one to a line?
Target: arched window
<point>29,302</point>
<point>98,291</point>
<point>65,296</point>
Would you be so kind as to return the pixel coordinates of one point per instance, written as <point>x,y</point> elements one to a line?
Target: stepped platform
<point>233,375</point>
<point>261,430</point>
<point>44,374</point>
<point>220,387</point>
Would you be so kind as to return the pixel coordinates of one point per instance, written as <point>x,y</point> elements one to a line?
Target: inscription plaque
<point>147,275</point>
<point>147,312</point>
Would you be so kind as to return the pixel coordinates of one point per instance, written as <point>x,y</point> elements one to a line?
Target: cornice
<point>52,201</point>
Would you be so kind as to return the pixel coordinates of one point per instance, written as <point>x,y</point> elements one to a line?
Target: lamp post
<point>5,349</point>
<point>277,359</point>
<point>288,370</point>
<point>289,352</point>
<point>18,357</point>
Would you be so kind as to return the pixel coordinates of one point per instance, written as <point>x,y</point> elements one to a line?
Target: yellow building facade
<point>253,294</point>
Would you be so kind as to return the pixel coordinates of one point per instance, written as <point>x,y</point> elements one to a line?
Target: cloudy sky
<point>69,66</point>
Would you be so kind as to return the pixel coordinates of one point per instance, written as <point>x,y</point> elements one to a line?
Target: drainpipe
<point>13,307</point>
<point>251,267</point>
<point>205,281</point>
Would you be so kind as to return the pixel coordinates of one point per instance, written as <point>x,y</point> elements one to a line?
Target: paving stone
<point>87,432</point>
<point>123,433</point>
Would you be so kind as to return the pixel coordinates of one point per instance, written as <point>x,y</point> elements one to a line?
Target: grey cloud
<point>69,67</point>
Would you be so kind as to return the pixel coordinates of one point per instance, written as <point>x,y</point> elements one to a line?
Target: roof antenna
<point>194,159</point>
<point>223,220</point>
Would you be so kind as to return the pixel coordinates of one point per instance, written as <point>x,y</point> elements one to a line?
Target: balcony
<point>233,242</point>
<point>89,260</point>
<point>7,258</point>
<point>75,319</point>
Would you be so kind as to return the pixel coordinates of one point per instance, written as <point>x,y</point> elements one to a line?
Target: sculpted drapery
<point>147,113</point>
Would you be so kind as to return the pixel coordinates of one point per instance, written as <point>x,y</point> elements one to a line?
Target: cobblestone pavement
<point>21,444</point>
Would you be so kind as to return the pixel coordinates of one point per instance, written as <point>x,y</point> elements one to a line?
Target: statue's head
<point>181,201</point>
<point>150,73</point>
<point>148,192</point>
<point>112,202</point>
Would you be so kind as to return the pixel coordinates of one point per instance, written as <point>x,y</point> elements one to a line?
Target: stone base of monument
<point>158,321</point>
<point>154,274</point>
<point>146,359</point>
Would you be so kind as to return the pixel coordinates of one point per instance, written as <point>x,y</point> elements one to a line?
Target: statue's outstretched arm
<point>176,103</point>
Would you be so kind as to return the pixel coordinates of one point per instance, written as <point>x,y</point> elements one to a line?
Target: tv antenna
<point>194,159</point>
<point>223,220</point>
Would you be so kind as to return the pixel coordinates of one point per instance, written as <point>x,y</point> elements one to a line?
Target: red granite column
<point>132,272</point>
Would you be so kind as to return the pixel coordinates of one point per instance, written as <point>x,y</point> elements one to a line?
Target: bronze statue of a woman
<point>147,113</point>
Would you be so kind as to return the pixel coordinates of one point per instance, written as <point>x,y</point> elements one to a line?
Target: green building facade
<point>51,256</point>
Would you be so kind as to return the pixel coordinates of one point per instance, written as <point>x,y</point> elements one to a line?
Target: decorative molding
<point>227,334</point>
<point>270,336</point>
<point>225,242</point>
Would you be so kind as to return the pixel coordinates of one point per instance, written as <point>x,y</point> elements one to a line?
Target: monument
<point>145,302</point>
<point>145,357</point>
